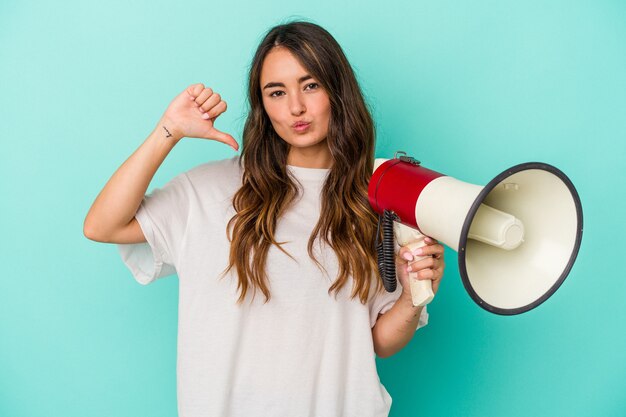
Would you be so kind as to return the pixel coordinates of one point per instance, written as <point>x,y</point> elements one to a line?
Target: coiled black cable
<point>385,250</point>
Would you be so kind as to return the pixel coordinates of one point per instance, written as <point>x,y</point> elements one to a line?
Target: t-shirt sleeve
<point>382,302</point>
<point>162,216</point>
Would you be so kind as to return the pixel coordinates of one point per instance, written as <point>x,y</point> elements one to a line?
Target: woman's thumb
<point>224,138</point>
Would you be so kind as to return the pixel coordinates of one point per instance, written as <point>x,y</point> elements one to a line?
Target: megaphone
<point>517,237</point>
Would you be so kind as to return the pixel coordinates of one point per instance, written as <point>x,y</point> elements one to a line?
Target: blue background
<point>470,88</point>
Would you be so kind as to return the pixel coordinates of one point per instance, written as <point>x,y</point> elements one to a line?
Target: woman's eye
<point>310,86</point>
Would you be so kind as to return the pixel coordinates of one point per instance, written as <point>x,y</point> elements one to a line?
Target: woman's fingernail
<point>408,256</point>
<point>418,251</point>
<point>409,269</point>
<point>205,115</point>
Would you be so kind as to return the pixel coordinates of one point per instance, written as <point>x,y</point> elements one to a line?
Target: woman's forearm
<point>117,203</point>
<point>394,329</point>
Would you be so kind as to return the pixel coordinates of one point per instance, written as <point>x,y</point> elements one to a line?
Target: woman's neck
<point>310,158</point>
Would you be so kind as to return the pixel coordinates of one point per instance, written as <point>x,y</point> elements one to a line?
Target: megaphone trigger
<point>421,290</point>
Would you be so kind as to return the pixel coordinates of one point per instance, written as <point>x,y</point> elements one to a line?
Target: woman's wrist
<point>406,301</point>
<point>168,130</point>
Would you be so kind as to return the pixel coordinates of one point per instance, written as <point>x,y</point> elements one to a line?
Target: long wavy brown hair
<point>348,224</point>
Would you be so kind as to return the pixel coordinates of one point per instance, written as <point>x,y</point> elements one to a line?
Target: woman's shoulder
<point>223,176</point>
<point>223,169</point>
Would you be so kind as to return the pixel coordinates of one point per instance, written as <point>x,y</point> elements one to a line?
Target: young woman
<point>281,308</point>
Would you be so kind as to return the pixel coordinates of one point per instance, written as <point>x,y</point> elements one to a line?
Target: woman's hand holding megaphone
<point>424,262</point>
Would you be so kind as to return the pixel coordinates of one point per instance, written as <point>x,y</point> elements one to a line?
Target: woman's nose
<point>296,105</point>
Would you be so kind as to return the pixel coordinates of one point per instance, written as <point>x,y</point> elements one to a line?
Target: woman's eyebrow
<point>275,84</point>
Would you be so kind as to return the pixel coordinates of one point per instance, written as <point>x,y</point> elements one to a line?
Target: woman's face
<point>298,107</point>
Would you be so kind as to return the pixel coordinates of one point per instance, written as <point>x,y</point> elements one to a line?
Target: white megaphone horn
<point>517,237</point>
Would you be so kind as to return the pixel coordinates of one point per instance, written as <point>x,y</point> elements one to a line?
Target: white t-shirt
<point>304,353</point>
